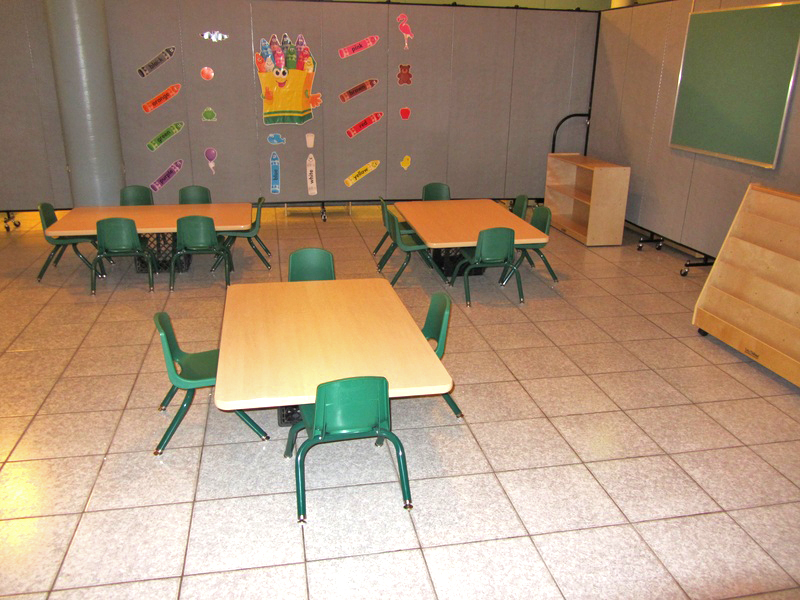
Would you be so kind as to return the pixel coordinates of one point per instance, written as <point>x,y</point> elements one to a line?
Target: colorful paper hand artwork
<point>286,72</point>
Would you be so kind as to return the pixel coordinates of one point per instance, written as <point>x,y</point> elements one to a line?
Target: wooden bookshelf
<point>751,298</point>
<point>587,197</point>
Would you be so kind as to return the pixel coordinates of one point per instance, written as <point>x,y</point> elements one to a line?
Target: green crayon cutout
<point>162,137</point>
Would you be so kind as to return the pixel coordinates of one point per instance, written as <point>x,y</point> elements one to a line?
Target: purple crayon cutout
<point>171,171</point>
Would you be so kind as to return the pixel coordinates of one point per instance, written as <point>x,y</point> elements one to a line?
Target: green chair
<point>435,328</point>
<point>408,243</point>
<point>118,237</point>
<point>346,409</point>
<point>47,215</point>
<point>541,220</point>
<point>311,264</point>
<point>194,194</point>
<point>196,235</point>
<point>250,235</point>
<point>404,228</point>
<point>520,206</point>
<point>436,191</point>
<point>197,370</point>
<point>495,248</point>
<point>135,195</point>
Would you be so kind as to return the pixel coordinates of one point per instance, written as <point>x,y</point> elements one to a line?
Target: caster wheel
<point>684,272</point>
<point>7,227</point>
<point>702,332</point>
<point>324,218</point>
<point>16,223</point>
<point>659,246</point>
<point>639,247</point>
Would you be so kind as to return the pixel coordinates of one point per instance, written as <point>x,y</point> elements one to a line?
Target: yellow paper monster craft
<point>286,72</point>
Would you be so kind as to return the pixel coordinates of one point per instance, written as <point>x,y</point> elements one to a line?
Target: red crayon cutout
<point>163,97</point>
<point>363,124</point>
<point>367,42</point>
<point>357,89</point>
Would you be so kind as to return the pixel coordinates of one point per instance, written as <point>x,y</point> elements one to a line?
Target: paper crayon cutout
<point>161,98</point>
<point>358,89</point>
<point>311,175</point>
<point>365,170</point>
<point>363,124</point>
<point>405,113</point>
<point>367,42</point>
<point>404,75</point>
<point>211,156</point>
<point>156,62</point>
<point>209,114</point>
<point>406,162</point>
<point>207,73</point>
<point>215,36</point>
<point>171,171</point>
<point>275,174</point>
<point>162,137</point>
<point>405,28</point>
<point>276,138</point>
<point>286,72</point>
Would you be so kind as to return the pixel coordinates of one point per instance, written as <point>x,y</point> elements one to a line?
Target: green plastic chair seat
<point>495,248</point>
<point>194,194</point>
<point>135,195</point>
<point>520,206</point>
<point>197,235</point>
<point>404,228</point>
<point>47,216</point>
<point>118,237</point>
<point>540,219</point>
<point>311,264</point>
<point>188,371</point>
<point>435,328</point>
<point>250,235</point>
<point>408,243</point>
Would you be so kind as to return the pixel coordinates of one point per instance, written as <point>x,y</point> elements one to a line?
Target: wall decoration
<point>209,114</point>
<point>311,175</point>
<point>207,73</point>
<point>405,29</point>
<point>286,72</point>
<point>367,42</point>
<point>363,124</point>
<point>211,156</point>
<point>357,89</point>
<point>275,174</point>
<point>162,137</point>
<point>164,178</point>
<point>309,140</point>
<point>161,98</point>
<point>276,138</point>
<point>156,62</point>
<point>215,36</point>
<point>362,172</point>
<point>404,75</point>
<point>406,162</point>
<point>405,113</point>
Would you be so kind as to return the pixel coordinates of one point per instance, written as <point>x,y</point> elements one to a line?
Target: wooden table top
<point>281,340</point>
<point>158,218</point>
<point>457,223</point>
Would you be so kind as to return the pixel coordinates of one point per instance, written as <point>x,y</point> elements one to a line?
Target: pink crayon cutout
<point>363,124</point>
<point>367,42</point>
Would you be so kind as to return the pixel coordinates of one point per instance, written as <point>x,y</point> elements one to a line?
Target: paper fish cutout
<point>276,138</point>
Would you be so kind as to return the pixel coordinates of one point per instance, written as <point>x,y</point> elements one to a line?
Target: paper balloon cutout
<point>207,73</point>
<point>211,156</point>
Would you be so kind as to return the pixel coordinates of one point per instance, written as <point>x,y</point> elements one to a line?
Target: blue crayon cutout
<point>276,138</point>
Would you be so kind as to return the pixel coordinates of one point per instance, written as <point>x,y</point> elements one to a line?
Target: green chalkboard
<point>736,81</point>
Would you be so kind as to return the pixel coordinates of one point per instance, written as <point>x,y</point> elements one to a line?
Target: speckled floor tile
<point>99,361</point>
<point>625,285</point>
<point>789,404</point>
<point>682,428</point>
<point>465,339</point>
<point>533,363</point>
<point>609,562</point>
<point>528,444</point>
<point>41,363</point>
<point>74,434</point>
<point>712,349</point>
<point>652,304</point>
<point>349,462</point>
<point>602,306</point>
<point>759,379</point>
<point>441,452</point>
<point>558,396</point>
<point>87,394</point>
<point>121,332</point>
<point>638,389</point>
<point>421,411</point>
<point>287,582</point>
<point>141,429</point>
<point>575,331</point>
<point>603,436</point>
<point>784,456</point>
<point>630,328</point>
<point>132,310</point>
<point>705,383</point>
<point>720,562</point>
<point>777,530</point>
<point>603,358</point>
<point>44,335</point>
<point>550,309</point>
<point>154,589</point>
<point>488,314</point>
<point>11,430</point>
<point>664,354</point>
<point>227,470</point>
<point>499,401</point>
<point>476,367</point>
<point>26,395</point>
<point>754,421</point>
<point>509,336</point>
<point>225,427</point>
<point>150,389</point>
<point>511,569</point>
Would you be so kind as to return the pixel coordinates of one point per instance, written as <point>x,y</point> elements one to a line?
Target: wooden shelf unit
<point>587,197</point>
<point>751,298</point>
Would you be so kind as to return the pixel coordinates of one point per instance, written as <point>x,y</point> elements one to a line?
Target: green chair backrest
<point>169,343</point>
<point>541,218</point>
<point>520,206</point>
<point>196,232</point>
<point>350,406</point>
<point>495,245</point>
<point>256,225</point>
<point>311,264</point>
<point>117,235</point>
<point>384,211</point>
<point>436,191</point>
<point>194,194</point>
<point>47,215</point>
<point>135,195</point>
<point>436,322</point>
<point>394,232</point>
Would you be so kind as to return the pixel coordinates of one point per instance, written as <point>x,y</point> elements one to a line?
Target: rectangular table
<point>281,340</point>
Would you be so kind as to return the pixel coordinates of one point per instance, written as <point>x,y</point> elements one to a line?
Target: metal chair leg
<point>168,398</point>
<point>176,421</point>
<point>453,406</point>
<point>47,263</point>
<point>252,424</point>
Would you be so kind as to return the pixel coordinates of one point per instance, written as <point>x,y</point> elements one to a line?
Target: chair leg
<point>252,425</point>
<point>300,478</point>
<point>176,420</point>
<point>258,253</point>
<point>432,264</point>
<point>508,272</point>
<point>457,268</point>
<point>152,265</point>
<point>172,269</point>
<point>61,251</point>
<point>47,263</point>
<point>402,468</point>
<point>93,275</point>
<point>453,406</point>
<point>168,398</point>
<point>466,284</point>
<point>386,256</point>
<point>527,257</point>
<point>519,285</point>
<point>228,267</point>
<point>378,247</point>
<point>262,244</point>
<point>402,268</point>
<point>547,264</point>
<point>81,256</point>
<point>295,429</point>
<point>229,241</point>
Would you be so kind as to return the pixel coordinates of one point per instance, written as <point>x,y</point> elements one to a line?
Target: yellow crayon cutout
<point>365,170</point>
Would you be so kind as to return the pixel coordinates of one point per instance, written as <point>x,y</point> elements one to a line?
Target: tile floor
<point>608,451</point>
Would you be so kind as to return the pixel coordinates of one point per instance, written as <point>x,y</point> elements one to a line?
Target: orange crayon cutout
<point>367,42</point>
<point>161,98</point>
<point>357,89</point>
<point>363,124</point>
